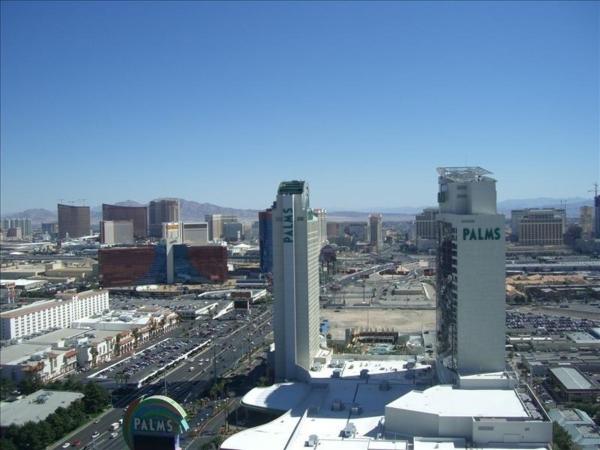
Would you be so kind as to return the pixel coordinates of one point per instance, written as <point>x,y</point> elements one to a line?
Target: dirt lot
<point>404,321</point>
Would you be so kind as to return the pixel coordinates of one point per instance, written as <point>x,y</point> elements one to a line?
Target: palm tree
<point>118,345</point>
<point>94,352</point>
<point>136,335</point>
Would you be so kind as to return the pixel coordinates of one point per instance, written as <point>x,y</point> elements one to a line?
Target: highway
<point>185,383</point>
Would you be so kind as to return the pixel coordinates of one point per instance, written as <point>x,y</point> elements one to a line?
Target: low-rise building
<point>35,407</point>
<point>584,432</point>
<point>572,385</point>
<point>36,360</point>
<point>481,416</point>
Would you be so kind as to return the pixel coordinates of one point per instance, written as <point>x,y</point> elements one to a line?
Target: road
<point>183,383</point>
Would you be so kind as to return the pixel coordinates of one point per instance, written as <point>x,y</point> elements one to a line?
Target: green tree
<point>57,423</point>
<point>47,433</point>
<point>560,438</point>
<point>7,444</point>
<point>118,345</point>
<point>66,418</point>
<point>96,398</point>
<point>94,352</point>
<point>30,384</point>
<point>136,335</point>
<point>29,437</point>
<point>6,387</point>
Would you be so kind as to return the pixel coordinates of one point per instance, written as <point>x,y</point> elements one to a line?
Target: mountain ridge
<point>192,210</point>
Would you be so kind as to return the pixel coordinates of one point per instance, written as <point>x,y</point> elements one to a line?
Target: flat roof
<point>31,308</point>
<point>444,400</point>
<point>392,369</point>
<point>581,337</point>
<point>463,173</point>
<point>22,282</point>
<point>571,378</point>
<point>309,407</point>
<point>35,407</point>
<point>12,354</point>
<point>55,336</point>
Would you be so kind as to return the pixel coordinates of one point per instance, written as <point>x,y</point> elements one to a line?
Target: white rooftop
<point>35,407</point>
<point>279,397</point>
<point>310,407</point>
<point>15,354</point>
<point>58,335</point>
<point>443,400</point>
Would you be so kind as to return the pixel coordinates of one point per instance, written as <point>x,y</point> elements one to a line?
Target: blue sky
<point>218,102</point>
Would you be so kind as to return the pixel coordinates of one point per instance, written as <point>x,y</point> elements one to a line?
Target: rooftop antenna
<point>595,190</point>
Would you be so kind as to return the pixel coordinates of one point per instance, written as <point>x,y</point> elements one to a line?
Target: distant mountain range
<point>572,205</point>
<point>191,210</point>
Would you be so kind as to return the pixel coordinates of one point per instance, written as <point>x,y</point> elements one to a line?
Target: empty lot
<point>402,320</point>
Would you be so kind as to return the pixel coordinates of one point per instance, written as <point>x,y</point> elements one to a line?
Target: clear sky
<point>218,102</point>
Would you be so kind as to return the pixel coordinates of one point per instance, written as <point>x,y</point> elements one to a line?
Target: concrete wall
<point>411,423</point>
<point>489,431</point>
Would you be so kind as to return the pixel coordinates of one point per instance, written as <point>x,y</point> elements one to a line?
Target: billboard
<point>154,422</point>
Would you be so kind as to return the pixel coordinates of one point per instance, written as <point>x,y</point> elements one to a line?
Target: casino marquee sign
<point>154,423</point>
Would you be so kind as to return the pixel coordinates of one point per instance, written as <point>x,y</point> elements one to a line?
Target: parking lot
<point>545,323</point>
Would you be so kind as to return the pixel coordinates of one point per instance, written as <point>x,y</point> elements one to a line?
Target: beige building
<point>542,227</point>
<point>426,224</point>
<point>586,221</point>
<point>113,232</point>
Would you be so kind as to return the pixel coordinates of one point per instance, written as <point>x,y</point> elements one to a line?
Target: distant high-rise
<point>536,226</point>
<point>375,231</point>
<point>470,272</point>
<point>51,228</point>
<point>73,221</point>
<point>113,232</point>
<point>358,230</point>
<point>265,240</point>
<point>296,249</point>
<point>597,217</point>
<point>24,224</point>
<point>586,221</point>
<point>322,217</point>
<point>215,225</point>
<point>195,233</point>
<point>232,231</point>
<point>159,212</point>
<point>129,266</point>
<point>426,224</point>
<point>137,214</point>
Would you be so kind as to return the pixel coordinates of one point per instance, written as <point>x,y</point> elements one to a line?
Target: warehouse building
<point>572,385</point>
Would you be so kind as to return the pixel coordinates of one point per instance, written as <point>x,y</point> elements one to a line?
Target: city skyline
<point>236,97</point>
<point>572,205</point>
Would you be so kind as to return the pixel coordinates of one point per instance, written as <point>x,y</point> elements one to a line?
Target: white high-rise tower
<point>296,249</point>
<point>470,272</point>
